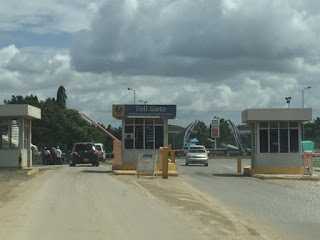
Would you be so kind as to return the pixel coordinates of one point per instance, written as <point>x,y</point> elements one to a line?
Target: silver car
<point>197,154</point>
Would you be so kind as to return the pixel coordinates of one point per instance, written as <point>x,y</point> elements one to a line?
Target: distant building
<point>144,131</point>
<point>276,139</point>
<point>16,134</point>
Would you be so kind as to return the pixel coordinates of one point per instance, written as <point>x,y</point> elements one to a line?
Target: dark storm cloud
<point>210,57</point>
<point>202,39</point>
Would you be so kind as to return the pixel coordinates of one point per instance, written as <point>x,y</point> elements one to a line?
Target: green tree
<point>312,131</point>
<point>225,133</point>
<point>202,133</point>
<point>62,96</point>
<point>59,125</point>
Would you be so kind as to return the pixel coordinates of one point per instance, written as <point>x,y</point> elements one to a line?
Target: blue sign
<point>162,111</point>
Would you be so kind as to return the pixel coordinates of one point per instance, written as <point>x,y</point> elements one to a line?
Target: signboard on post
<point>133,110</point>
<point>146,164</point>
<point>215,128</point>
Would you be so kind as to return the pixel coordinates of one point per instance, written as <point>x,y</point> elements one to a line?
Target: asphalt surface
<point>290,207</point>
<point>86,203</point>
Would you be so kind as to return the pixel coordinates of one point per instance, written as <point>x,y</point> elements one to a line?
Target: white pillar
<point>21,133</point>
<point>29,141</point>
<point>123,135</point>
<point>165,132</point>
<point>10,133</point>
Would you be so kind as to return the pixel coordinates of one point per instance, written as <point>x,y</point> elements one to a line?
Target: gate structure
<point>16,135</point>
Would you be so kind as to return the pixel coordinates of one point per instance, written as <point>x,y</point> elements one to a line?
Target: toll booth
<point>277,139</point>
<point>15,134</point>
<point>144,131</point>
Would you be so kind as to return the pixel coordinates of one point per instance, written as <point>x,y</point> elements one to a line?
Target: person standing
<point>54,155</point>
<point>59,155</point>
<point>46,156</point>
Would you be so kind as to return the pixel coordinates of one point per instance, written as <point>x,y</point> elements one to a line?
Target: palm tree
<point>61,96</point>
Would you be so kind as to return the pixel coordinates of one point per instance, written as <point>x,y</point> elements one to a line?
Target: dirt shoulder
<point>198,210</point>
<point>9,180</point>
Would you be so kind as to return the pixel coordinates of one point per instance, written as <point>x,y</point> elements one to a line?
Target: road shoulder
<point>197,209</point>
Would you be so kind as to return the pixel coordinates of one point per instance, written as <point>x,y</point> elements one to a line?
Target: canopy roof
<point>277,114</point>
<point>20,110</point>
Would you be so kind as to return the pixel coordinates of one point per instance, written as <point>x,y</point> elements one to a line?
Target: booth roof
<point>20,110</point>
<point>277,114</point>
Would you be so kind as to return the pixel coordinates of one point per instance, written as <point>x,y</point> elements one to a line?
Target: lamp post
<point>302,94</point>
<point>288,101</point>
<point>143,101</point>
<point>134,94</point>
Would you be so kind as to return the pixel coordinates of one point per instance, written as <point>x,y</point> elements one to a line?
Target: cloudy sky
<point>210,57</point>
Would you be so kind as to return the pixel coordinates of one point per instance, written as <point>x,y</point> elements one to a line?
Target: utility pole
<point>134,94</point>
<point>302,94</point>
<point>288,101</point>
<point>215,130</point>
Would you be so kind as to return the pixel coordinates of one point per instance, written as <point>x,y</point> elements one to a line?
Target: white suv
<point>101,153</point>
<point>197,154</point>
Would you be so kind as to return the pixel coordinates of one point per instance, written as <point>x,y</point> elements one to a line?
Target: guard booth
<point>15,134</point>
<point>144,131</point>
<point>277,139</point>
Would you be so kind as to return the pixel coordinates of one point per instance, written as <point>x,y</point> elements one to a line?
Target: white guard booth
<point>144,131</point>
<point>276,139</point>
<point>15,134</point>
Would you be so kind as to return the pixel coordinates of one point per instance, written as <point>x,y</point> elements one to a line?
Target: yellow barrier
<point>167,164</point>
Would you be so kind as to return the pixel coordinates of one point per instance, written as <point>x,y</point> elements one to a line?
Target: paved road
<point>292,208</point>
<point>86,203</point>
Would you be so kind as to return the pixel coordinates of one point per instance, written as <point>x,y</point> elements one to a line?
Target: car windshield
<point>83,147</point>
<point>98,147</point>
<point>197,150</point>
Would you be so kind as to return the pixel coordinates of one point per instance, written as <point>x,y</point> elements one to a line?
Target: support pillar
<point>21,140</point>
<point>165,132</point>
<point>29,142</point>
<point>21,133</point>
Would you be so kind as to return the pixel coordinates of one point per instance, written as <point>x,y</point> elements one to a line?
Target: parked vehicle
<point>101,152</point>
<point>196,154</point>
<point>109,155</point>
<point>84,153</point>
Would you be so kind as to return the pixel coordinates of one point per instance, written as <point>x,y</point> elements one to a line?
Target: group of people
<point>52,156</point>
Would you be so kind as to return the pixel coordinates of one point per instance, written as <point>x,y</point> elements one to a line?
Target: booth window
<point>263,131</point>
<point>139,137</point>
<point>143,133</point>
<point>158,136</point>
<point>274,137</point>
<point>294,137</point>
<point>280,137</point>
<point>4,137</point>
<point>149,134</point>
<point>284,137</point>
<point>9,134</point>
<point>128,130</point>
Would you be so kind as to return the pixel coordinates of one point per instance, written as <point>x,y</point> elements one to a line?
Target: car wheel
<point>187,163</point>
<point>95,164</point>
<point>72,164</point>
<point>206,164</point>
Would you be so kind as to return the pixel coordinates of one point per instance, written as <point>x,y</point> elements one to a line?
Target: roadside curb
<point>32,172</point>
<point>50,167</point>
<point>286,177</point>
<point>35,170</point>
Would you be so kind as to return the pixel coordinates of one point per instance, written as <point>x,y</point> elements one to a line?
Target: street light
<point>288,100</point>
<point>143,101</point>
<point>134,94</point>
<point>302,94</point>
